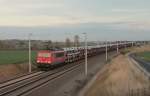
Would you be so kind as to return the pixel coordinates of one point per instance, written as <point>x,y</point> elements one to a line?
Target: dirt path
<point>118,77</point>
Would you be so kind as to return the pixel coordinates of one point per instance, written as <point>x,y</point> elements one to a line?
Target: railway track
<point>23,86</point>
<point>18,76</point>
<point>19,79</point>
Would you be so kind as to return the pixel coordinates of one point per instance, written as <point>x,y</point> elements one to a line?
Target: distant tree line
<point>38,44</point>
<point>42,44</point>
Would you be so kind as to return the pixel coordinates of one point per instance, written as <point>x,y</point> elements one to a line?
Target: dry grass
<point>120,76</point>
<point>9,70</point>
<point>141,49</point>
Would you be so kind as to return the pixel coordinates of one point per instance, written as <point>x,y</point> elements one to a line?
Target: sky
<point>58,19</point>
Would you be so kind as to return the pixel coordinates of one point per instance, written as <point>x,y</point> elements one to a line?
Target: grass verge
<point>145,55</point>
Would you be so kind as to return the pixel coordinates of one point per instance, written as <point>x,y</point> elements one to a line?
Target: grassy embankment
<point>15,57</point>
<point>144,55</point>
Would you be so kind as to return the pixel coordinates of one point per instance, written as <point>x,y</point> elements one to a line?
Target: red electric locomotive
<point>49,59</point>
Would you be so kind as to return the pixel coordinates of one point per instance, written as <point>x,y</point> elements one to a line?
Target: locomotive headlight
<point>38,61</point>
<point>48,62</point>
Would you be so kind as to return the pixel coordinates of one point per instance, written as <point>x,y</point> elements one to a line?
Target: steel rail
<point>30,82</point>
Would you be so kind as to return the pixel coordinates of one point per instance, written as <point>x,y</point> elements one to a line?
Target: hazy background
<point>58,19</point>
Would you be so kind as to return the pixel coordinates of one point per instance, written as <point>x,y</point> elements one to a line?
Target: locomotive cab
<point>50,58</point>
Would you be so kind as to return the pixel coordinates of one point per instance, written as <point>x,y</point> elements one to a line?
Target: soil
<point>118,77</point>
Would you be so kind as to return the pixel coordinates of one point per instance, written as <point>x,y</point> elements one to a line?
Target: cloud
<point>130,11</point>
<point>140,25</point>
<point>43,20</point>
<point>134,26</point>
<point>116,23</point>
<point>23,7</point>
<point>31,13</point>
<point>32,21</point>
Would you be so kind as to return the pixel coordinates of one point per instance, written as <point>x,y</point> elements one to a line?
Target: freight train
<point>51,58</point>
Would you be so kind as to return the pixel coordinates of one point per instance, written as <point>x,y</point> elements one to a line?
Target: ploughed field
<point>16,57</point>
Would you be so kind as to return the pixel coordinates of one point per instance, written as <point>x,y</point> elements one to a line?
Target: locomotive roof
<point>55,51</point>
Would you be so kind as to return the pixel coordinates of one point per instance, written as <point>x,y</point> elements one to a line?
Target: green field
<point>16,57</point>
<point>145,55</point>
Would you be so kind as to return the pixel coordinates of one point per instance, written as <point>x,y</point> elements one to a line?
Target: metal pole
<point>132,44</point>
<point>106,51</point>
<point>85,53</point>
<point>117,47</point>
<point>30,66</point>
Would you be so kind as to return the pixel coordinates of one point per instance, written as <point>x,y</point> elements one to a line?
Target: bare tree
<point>76,40</point>
<point>48,44</point>
<point>56,44</point>
<point>68,42</point>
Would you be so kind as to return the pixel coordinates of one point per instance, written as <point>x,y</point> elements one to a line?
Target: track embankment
<point>118,77</point>
<point>8,71</point>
